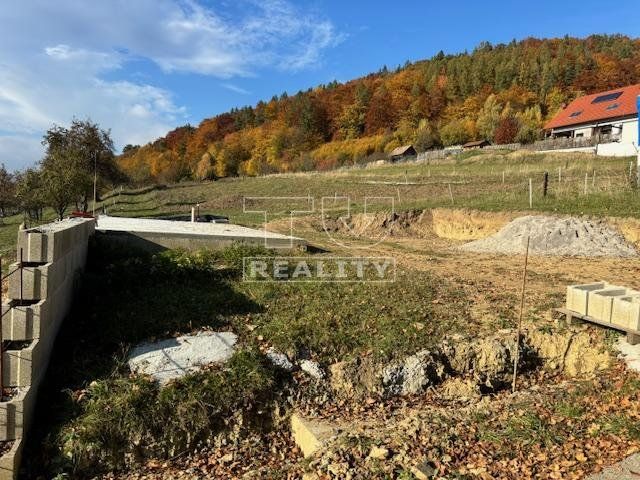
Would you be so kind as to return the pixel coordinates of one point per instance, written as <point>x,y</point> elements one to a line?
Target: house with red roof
<point>611,116</point>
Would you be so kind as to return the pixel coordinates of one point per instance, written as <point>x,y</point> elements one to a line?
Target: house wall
<point>630,132</point>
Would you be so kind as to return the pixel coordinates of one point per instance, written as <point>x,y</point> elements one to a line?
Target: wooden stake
<point>451,194</point>
<point>545,184</point>
<point>503,176</point>
<point>530,193</point>
<point>516,357</point>
<point>586,181</point>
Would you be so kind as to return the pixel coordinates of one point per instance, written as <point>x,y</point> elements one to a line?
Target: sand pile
<point>556,236</point>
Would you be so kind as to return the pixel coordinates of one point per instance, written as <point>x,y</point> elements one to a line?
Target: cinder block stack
<point>607,303</point>
<point>38,300</point>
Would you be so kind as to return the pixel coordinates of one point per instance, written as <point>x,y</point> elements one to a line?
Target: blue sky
<point>142,67</point>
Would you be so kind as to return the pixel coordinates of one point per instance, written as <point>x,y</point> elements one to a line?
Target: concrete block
<point>577,296</point>
<point>24,322</point>
<point>311,435</point>
<point>601,302</point>
<point>21,367</point>
<point>16,413</point>
<point>53,241</point>
<point>10,461</point>
<point>625,311</point>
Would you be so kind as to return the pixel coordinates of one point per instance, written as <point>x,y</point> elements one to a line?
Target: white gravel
<point>567,236</point>
<point>175,357</point>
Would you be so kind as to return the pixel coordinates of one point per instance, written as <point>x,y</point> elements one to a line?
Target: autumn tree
<point>489,117</point>
<point>507,130</point>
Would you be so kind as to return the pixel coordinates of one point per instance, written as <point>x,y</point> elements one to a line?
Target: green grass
<point>96,413</point>
<point>475,180</point>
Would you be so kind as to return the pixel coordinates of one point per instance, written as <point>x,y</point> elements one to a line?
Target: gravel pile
<point>556,236</point>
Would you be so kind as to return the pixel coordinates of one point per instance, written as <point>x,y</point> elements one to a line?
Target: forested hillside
<point>503,93</point>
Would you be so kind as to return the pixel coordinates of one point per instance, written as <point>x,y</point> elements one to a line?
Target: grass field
<point>474,181</point>
<point>98,416</point>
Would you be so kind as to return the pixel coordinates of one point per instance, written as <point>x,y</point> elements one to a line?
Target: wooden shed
<point>475,145</point>
<point>402,153</point>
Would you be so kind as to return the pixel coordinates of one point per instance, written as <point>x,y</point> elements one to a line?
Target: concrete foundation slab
<point>175,357</point>
<point>153,234</point>
<point>577,296</point>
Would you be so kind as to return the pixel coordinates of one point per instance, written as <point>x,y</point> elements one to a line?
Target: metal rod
<point>516,358</point>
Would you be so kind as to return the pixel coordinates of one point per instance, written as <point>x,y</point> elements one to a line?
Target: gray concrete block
<point>24,322</point>
<point>52,241</point>
<point>10,461</point>
<point>577,296</point>
<point>625,311</point>
<point>16,413</point>
<point>601,302</point>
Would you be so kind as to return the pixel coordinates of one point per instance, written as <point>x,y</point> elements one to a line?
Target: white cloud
<point>57,60</point>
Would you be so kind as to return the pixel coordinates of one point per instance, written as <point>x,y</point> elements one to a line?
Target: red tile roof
<point>583,110</point>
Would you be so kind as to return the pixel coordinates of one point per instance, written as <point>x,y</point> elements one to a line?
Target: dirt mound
<point>556,236</point>
<point>453,224</point>
<point>462,224</point>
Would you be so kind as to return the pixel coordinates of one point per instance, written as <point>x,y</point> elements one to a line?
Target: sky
<point>142,67</point>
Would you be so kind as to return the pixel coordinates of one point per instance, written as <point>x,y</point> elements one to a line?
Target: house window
<point>606,130</point>
<point>607,98</point>
<point>576,114</point>
<point>613,107</point>
<point>579,135</point>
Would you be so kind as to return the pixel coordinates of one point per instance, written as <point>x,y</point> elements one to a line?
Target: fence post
<point>545,184</point>
<point>530,194</point>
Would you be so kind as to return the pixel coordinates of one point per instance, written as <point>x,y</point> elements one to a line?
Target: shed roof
<point>477,143</point>
<point>402,150</point>
<point>621,102</point>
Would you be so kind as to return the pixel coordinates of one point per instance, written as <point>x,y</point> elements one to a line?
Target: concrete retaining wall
<point>39,300</point>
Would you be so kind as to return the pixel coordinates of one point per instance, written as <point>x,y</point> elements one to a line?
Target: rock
<point>573,353</point>
<point>424,471</point>
<point>354,379</point>
<point>311,435</point>
<point>413,374</point>
<point>488,361</point>
<point>280,360</point>
<point>459,389</point>
<point>312,368</point>
<point>379,453</point>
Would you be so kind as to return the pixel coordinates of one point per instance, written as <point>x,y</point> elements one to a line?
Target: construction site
<point>507,344</point>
